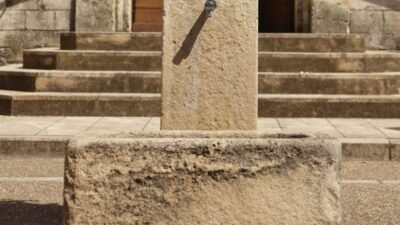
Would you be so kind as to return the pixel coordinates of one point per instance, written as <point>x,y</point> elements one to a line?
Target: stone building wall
<point>30,24</point>
<point>377,20</point>
<point>37,23</point>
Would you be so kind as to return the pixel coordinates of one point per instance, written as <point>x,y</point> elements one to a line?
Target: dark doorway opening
<point>276,16</point>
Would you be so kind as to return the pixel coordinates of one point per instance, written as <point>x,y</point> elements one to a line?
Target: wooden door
<point>276,16</point>
<point>147,15</point>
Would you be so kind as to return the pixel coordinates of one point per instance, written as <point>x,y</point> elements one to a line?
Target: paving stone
<point>312,125</point>
<point>371,204</point>
<point>390,127</point>
<point>112,125</point>
<point>153,125</point>
<point>356,128</point>
<point>370,170</point>
<point>69,126</point>
<point>25,126</point>
<point>31,167</point>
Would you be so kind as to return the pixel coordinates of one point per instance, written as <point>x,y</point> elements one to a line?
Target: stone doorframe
<point>302,15</point>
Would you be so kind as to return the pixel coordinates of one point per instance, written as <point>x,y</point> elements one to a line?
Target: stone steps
<point>54,59</point>
<point>375,61</point>
<point>267,42</point>
<point>80,104</point>
<point>148,105</point>
<point>111,41</point>
<point>13,77</point>
<point>270,42</point>
<point>329,83</point>
<point>326,106</point>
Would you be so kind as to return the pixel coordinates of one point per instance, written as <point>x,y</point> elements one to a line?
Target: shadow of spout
<point>190,39</point>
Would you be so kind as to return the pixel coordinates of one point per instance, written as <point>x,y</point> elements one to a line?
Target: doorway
<point>276,16</point>
<point>147,15</point>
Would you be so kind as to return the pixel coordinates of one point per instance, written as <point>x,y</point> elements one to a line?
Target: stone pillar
<point>209,73</point>
<point>103,15</point>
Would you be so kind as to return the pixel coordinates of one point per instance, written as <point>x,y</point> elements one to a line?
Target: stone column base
<point>202,178</point>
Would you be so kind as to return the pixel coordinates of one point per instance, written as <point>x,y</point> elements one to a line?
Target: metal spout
<point>210,6</point>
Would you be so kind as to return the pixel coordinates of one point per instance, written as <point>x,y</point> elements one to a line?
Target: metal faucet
<point>210,7</point>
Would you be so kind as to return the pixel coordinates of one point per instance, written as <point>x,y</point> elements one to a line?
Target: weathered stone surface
<point>371,204</point>
<point>104,16</point>
<point>177,179</point>
<point>93,15</point>
<point>210,66</point>
<point>329,17</point>
<point>17,41</point>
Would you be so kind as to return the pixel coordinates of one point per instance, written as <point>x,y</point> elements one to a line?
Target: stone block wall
<point>31,24</point>
<point>377,20</point>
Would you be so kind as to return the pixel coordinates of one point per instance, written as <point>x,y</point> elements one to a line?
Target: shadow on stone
<point>390,4</point>
<point>29,213</point>
<point>191,38</point>
<point>394,128</point>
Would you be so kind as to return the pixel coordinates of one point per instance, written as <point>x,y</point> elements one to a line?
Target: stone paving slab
<point>363,139</point>
<point>32,167</point>
<point>73,126</point>
<point>371,204</point>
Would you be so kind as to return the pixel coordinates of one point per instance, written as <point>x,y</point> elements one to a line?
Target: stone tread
<point>372,61</point>
<point>13,77</point>
<point>52,58</point>
<point>267,41</point>
<point>148,104</point>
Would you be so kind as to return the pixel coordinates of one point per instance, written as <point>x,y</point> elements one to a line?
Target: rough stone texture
<point>202,181</point>
<point>32,23</point>
<point>210,66</point>
<point>329,17</point>
<point>112,41</point>
<point>103,16</point>
<point>371,204</point>
<point>376,20</point>
<point>17,41</point>
<point>92,60</point>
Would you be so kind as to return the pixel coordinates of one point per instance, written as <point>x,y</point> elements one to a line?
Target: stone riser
<point>111,41</point>
<point>94,82</point>
<point>92,60</point>
<point>329,62</point>
<point>150,82</point>
<point>148,105</point>
<point>268,61</point>
<point>311,43</point>
<point>267,42</point>
<point>86,105</point>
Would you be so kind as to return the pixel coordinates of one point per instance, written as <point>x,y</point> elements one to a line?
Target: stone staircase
<point>118,74</point>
